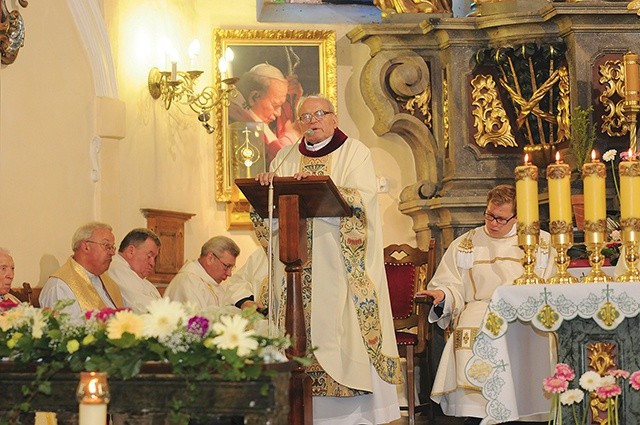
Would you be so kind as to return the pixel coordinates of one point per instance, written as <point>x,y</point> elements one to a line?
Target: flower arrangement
<point>196,344</point>
<point>607,388</point>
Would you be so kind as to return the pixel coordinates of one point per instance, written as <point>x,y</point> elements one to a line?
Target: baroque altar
<point>507,75</point>
<point>514,351</point>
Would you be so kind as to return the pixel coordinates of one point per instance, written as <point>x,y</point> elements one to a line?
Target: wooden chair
<point>408,270</point>
<point>27,294</point>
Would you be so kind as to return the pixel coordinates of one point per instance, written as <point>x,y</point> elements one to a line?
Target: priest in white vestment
<point>130,267</point>
<point>473,266</point>
<point>200,281</point>
<point>345,296</point>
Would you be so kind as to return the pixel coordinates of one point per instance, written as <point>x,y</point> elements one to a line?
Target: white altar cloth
<point>511,352</point>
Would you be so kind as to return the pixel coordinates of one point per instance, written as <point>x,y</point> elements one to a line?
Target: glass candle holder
<point>93,396</point>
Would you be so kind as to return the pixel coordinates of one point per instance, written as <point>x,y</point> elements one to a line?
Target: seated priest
<point>83,277</point>
<point>473,266</point>
<point>7,268</point>
<point>130,267</point>
<point>200,281</point>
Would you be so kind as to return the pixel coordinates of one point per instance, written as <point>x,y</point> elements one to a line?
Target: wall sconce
<point>179,87</point>
<point>11,32</point>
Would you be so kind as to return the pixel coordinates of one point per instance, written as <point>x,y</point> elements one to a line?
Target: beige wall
<point>165,160</point>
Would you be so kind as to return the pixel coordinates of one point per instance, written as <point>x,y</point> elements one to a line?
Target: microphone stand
<point>272,316</point>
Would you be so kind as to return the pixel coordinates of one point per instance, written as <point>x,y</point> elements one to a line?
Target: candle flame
<point>93,386</point>
<point>593,155</point>
<point>558,160</point>
<point>526,158</point>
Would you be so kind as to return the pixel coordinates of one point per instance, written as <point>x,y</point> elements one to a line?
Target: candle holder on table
<point>562,241</point>
<point>594,232</point>
<point>93,396</point>
<point>630,235</point>
<point>528,241</point>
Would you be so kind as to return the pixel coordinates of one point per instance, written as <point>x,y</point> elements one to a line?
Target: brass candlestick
<point>528,241</point>
<point>630,233</point>
<point>594,232</point>
<point>562,241</point>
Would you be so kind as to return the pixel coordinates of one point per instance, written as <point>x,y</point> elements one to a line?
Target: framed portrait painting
<point>274,69</point>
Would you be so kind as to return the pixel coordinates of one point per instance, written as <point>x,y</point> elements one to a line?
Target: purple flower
<point>198,325</point>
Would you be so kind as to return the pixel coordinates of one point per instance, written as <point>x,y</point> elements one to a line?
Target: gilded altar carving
<point>601,357</point>
<point>612,98</point>
<point>11,32</point>
<point>391,7</point>
<point>490,118</point>
<point>535,78</point>
<point>421,102</point>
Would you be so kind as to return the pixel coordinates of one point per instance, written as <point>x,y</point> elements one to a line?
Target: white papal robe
<point>334,326</point>
<point>473,266</point>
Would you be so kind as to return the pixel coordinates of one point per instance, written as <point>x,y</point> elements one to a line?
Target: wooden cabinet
<point>169,226</point>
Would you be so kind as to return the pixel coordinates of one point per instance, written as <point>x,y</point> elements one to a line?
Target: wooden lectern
<point>295,200</point>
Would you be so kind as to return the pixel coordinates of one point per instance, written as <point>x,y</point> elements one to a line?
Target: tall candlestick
<point>629,189</point>
<point>631,78</point>
<point>595,209</point>
<point>527,194</point>
<point>560,223</point>
<point>630,215</point>
<point>559,183</point>
<point>528,219</point>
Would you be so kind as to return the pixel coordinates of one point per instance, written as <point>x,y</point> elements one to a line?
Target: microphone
<point>270,309</point>
<point>309,132</point>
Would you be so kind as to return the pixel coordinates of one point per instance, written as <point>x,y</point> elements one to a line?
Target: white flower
<point>163,317</point>
<point>125,321</point>
<point>232,334</point>
<point>590,380</point>
<point>609,155</point>
<point>571,396</point>
<point>607,380</point>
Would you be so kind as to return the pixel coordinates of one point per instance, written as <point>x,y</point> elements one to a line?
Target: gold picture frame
<point>309,54</point>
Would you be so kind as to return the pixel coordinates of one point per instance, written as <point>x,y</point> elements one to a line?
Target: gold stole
<point>74,275</point>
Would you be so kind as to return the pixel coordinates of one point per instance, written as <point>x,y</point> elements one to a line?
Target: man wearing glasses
<point>82,278</point>
<point>473,266</point>
<point>200,281</point>
<point>346,303</point>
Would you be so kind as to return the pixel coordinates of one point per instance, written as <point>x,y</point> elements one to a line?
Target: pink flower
<point>609,390</point>
<point>565,372</point>
<point>634,380</point>
<point>618,373</point>
<point>554,385</point>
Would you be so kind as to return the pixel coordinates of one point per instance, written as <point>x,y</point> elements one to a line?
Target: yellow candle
<point>593,180</point>
<point>527,193</point>
<point>631,78</point>
<point>629,189</point>
<point>559,182</point>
